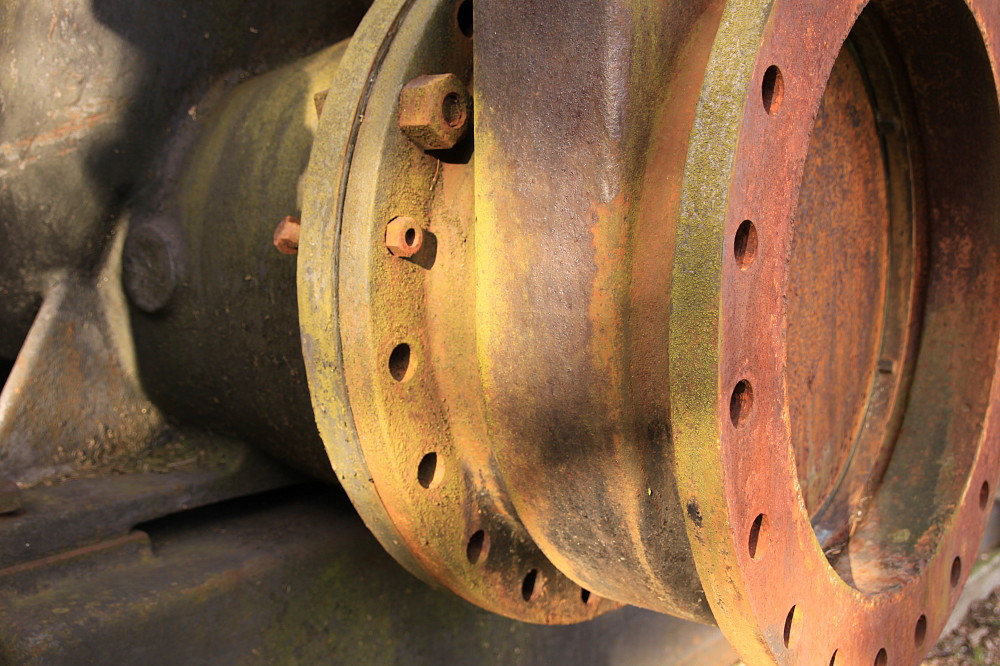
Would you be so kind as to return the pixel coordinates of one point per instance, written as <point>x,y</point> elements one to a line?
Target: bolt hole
<point>745,244</point>
<point>740,403</point>
<point>428,471</point>
<point>984,495</point>
<point>476,549</point>
<point>410,236</point>
<point>464,18</point>
<point>529,584</point>
<point>773,90</point>
<point>399,362</point>
<point>758,537</point>
<point>585,595</point>
<point>882,658</point>
<point>793,628</point>
<point>956,571</point>
<point>920,632</point>
<point>453,110</point>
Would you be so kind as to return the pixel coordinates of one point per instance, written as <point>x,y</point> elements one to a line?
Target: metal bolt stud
<point>286,236</point>
<point>404,237</point>
<point>10,497</point>
<point>151,264</point>
<point>434,111</point>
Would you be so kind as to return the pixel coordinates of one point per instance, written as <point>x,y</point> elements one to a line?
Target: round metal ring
<point>915,521</point>
<point>403,423</point>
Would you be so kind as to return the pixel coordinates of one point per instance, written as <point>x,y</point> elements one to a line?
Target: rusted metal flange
<point>918,507</point>
<point>581,138</point>
<point>388,332</point>
<point>648,276</point>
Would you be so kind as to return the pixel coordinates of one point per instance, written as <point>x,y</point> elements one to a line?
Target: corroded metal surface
<point>773,590</point>
<point>74,398</point>
<point>686,305</point>
<point>286,235</point>
<point>653,263</point>
<point>434,111</point>
<point>581,139</point>
<point>837,282</point>
<point>224,351</point>
<point>849,366</point>
<point>91,91</point>
<point>420,469</point>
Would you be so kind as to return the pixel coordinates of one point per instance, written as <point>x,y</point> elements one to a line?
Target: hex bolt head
<point>286,235</point>
<point>151,264</point>
<point>10,497</point>
<point>434,111</point>
<point>404,237</point>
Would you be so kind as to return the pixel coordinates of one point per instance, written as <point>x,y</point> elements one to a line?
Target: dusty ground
<point>976,641</point>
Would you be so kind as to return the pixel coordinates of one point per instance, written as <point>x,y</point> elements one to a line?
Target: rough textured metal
<point>286,235</point>
<point>434,111</point>
<point>855,283</point>
<point>838,281</point>
<point>419,467</point>
<point>235,363</point>
<point>74,397</point>
<point>700,318</point>
<point>912,538</point>
<point>576,195</point>
<point>637,281</point>
<point>151,265</point>
<point>91,90</point>
<point>404,237</point>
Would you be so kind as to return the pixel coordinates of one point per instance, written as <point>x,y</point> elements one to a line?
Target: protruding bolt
<point>404,237</point>
<point>151,264</point>
<point>319,99</point>
<point>286,236</point>
<point>10,497</point>
<point>887,366</point>
<point>434,111</point>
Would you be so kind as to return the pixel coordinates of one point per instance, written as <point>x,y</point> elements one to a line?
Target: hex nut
<point>404,237</point>
<point>286,235</point>
<point>434,111</point>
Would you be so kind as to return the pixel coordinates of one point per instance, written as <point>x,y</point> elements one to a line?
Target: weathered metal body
<point>230,321</point>
<point>691,306</point>
<point>102,106</point>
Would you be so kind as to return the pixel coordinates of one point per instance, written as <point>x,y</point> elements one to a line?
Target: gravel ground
<point>976,642</point>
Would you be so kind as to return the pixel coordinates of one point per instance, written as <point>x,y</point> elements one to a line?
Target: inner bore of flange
<point>842,297</point>
<point>892,317</point>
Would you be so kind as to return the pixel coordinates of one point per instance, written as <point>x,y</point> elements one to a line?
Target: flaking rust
<point>684,305</point>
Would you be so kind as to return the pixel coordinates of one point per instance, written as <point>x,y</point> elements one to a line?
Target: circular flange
<point>887,590</point>
<point>592,247</point>
<point>389,338</point>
